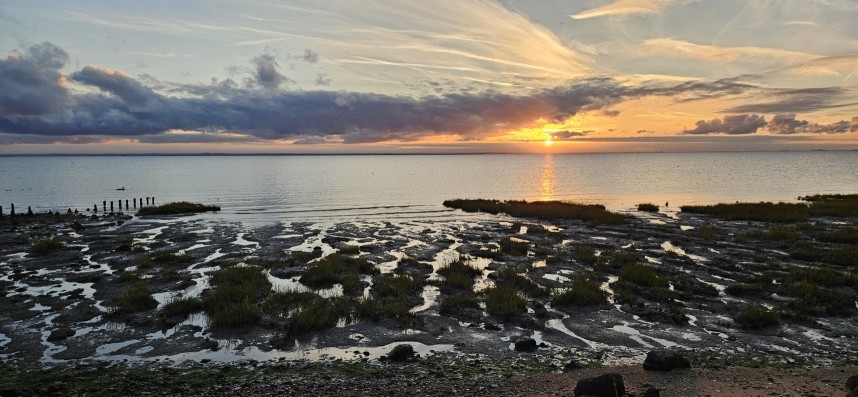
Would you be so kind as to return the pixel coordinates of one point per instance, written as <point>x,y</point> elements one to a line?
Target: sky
<point>399,76</point>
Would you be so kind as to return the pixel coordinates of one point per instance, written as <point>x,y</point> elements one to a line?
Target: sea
<point>290,188</point>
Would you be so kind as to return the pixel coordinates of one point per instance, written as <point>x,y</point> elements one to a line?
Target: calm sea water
<point>293,188</point>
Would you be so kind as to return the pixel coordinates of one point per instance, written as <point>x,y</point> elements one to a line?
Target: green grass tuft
<point>46,246</point>
<point>764,212</point>
<point>584,291</point>
<point>647,207</point>
<point>182,307</point>
<point>504,303</point>
<point>512,247</point>
<point>456,303</point>
<point>137,298</point>
<point>756,317</point>
<point>234,300</point>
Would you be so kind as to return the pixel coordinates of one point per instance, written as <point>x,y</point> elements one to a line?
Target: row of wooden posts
<point>94,206</point>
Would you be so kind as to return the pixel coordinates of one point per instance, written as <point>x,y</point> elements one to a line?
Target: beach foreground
<point>483,300</point>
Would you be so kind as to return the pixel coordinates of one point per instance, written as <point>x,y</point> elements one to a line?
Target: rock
<point>664,360</point>
<point>76,226</point>
<point>209,344</point>
<point>525,345</point>
<point>852,382</point>
<point>853,393</point>
<point>605,385</point>
<point>571,366</point>
<point>125,247</point>
<point>651,392</point>
<point>60,334</point>
<point>401,353</point>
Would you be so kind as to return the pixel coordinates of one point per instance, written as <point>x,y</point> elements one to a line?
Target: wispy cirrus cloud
<point>627,7</point>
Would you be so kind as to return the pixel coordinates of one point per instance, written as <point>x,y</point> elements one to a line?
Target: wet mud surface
<point>57,306</point>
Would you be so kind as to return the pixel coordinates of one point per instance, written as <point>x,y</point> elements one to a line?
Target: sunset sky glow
<point>392,76</point>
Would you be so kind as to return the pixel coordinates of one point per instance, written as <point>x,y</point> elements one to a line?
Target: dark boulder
<point>401,353</point>
<point>605,385</point>
<point>571,366</point>
<point>664,360</point>
<point>852,382</point>
<point>651,392</point>
<point>525,345</point>
<point>60,334</point>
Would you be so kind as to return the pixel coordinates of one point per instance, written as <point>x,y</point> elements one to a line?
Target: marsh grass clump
<point>518,282</point>
<point>183,307</point>
<point>836,205</point>
<point>318,314</point>
<point>845,255</point>
<point>458,275</point>
<point>763,212</point>
<point>812,300</point>
<point>125,276</point>
<point>458,302</point>
<point>584,291</point>
<point>171,257</point>
<point>280,302</point>
<point>350,250</point>
<point>504,302</point>
<point>643,275</point>
<point>136,298</point>
<point>177,208</point>
<point>544,210</point>
<point>234,300</point>
<point>586,255</point>
<point>513,247</point>
<point>647,207</point>
<point>745,289</point>
<point>334,269</point>
<point>842,236</point>
<point>397,286</point>
<point>706,232</point>
<point>775,233</point>
<point>756,316</point>
<point>46,246</point>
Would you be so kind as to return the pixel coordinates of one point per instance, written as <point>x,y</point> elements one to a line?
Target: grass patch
<point>584,291</point>
<point>846,255</point>
<point>812,300</point>
<point>642,275</point>
<point>764,212</point>
<point>317,314</point>
<point>459,276</point>
<point>647,207</point>
<point>182,307</point>
<point>350,250</point>
<point>127,277</point>
<point>171,257</point>
<point>46,246</point>
<point>706,232</point>
<point>842,236</point>
<point>137,298</point>
<point>456,303</point>
<point>745,289</point>
<point>756,317</point>
<point>334,269</point>
<point>234,300</point>
<point>504,302</point>
<point>518,282</point>
<point>513,247</point>
<point>397,286</point>
<point>544,210</point>
<point>837,205</point>
<point>586,255</point>
<point>280,302</point>
<point>181,207</point>
<point>775,233</point>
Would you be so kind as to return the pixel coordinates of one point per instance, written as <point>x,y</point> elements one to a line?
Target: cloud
<point>266,74</point>
<point>627,7</point>
<point>797,100</point>
<point>739,124</point>
<point>31,82</point>
<point>787,124</point>
<point>117,83</point>
<point>782,124</point>
<point>684,49</point>
<point>568,135</point>
<point>309,56</point>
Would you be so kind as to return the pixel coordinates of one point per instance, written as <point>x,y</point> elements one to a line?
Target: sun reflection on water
<point>547,179</point>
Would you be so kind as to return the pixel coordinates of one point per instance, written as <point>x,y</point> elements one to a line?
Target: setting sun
<point>548,141</point>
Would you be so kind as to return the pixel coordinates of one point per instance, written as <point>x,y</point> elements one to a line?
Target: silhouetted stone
<point>209,344</point>
<point>664,360</point>
<point>852,382</point>
<point>651,392</point>
<point>606,385</point>
<point>401,353</point>
<point>29,211</point>
<point>60,334</point>
<point>571,366</point>
<point>525,345</point>
<point>76,226</point>
<point>12,211</point>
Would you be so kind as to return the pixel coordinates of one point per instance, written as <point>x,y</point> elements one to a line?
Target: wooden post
<point>13,210</point>
<point>1,211</point>
<point>147,200</point>
<point>120,204</point>
<point>135,203</point>
<point>153,200</point>
<point>29,211</point>
<point>95,208</point>
<point>126,205</point>
<point>111,206</point>
<point>104,206</point>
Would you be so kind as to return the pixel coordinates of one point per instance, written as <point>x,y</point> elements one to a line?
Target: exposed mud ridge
<point>59,302</point>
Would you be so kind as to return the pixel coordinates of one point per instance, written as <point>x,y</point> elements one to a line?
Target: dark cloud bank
<point>785,123</point>
<point>36,106</point>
